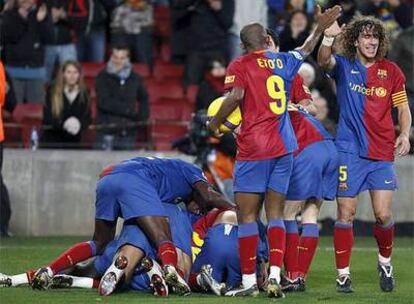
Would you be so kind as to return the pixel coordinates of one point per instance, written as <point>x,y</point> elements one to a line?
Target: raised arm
<point>326,60</point>
<point>323,21</point>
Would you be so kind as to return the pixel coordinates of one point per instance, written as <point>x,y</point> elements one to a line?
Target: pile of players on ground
<point>180,235</point>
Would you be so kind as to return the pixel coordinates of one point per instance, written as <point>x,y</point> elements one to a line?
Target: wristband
<point>328,41</point>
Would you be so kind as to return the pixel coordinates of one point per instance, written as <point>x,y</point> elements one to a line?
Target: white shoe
<point>5,280</point>
<point>208,283</point>
<point>156,275</point>
<point>175,281</point>
<point>113,275</point>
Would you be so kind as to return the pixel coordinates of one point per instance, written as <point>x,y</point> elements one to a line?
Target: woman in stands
<point>67,112</point>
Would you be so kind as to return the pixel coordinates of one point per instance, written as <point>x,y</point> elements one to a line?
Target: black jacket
<point>24,39</point>
<point>206,94</point>
<point>121,103</point>
<point>80,110</point>
<point>62,30</point>
<point>210,28</point>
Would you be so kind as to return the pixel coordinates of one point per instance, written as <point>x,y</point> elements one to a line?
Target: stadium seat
<point>142,69</point>
<point>164,70</point>
<point>28,111</point>
<point>191,93</point>
<point>90,83</point>
<point>162,27</point>
<point>166,108</point>
<point>92,69</point>
<point>165,51</point>
<point>29,115</point>
<point>167,88</point>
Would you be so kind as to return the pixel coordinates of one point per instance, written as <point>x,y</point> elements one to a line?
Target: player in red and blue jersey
<point>368,86</point>
<point>314,179</point>
<point>259,82</point>
<point>135,190</point>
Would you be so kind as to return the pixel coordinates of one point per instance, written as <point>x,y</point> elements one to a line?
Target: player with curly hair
<point>368,86</point>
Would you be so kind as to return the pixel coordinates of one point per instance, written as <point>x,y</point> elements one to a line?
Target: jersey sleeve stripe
<point>400,103</point>
<point>399,98</point>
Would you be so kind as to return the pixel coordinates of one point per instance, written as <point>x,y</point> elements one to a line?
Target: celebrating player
<point>135,190</point>
<point>368,86</point>
<point>260,81</point>
<point>314,178</point>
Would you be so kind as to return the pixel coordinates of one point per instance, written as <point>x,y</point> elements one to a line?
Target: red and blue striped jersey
<point>308,129</point>
<point>266,131</point>
<point>365,97</point>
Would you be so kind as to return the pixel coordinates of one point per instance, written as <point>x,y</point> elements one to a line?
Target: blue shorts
<point>220,251</point>
<point>357,174</point>
<point>315,173</point>
<point>128,196</point>
<point>259,175</point>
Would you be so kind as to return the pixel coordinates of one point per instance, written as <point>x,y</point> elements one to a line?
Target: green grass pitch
<point>18,254</point>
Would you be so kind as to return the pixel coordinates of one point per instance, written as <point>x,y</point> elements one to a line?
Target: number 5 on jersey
<point>343,173</point>
<point>276,90</point>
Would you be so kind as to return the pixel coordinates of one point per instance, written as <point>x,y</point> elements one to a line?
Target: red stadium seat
<point>92,69</point>
<point>165,70</point>
<point>167,88</point>
<point>142,69</point>
<point>166,108</point>
<point>162,19</point>
<point>191,93</point>
<point>90,83</point>
<point>28,111</point>
<point>29,116</point>
<point>165,51</point>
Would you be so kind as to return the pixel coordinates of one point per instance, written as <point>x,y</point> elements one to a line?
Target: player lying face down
<point>135,190</point>
<point>142,272</point>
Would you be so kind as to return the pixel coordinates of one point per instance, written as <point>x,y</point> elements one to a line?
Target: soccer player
<point>135,190</point>
<point>259,82</point>
<point>368,86</point>
<point>314,178</point>
<point>216,266</point>
<point>142,272</point>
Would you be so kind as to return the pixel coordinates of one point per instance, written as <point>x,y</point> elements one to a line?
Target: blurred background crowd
<point>128,74</point>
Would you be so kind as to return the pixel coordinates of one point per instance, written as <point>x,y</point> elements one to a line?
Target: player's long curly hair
<point>355,27</point>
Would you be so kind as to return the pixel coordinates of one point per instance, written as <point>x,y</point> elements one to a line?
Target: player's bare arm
<point>325,54</point>
<point>231,102</point>
<point>309,106</point>
<point>402,143</point>
<point>324,21</point>
<point>206,196</point>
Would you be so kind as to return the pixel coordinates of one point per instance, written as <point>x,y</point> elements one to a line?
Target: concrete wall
<point>52,192</point>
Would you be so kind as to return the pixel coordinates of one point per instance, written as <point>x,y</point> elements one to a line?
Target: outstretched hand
<point>334,30</point>
<point>328,17</point>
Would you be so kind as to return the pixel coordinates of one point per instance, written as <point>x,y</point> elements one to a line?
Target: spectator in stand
<point>62,47</point>
<point>245,13</point>
<point>296,32</point>
<point>181,11</point>
<point>25,31</point>
<point>210,24</point>
<point>402,11</point>
<point>212,86</point>
<point>122,100</point>
<point>276,15</point>
<point>131,25</point>
<point>67,109</point>
<point>349,10</point>
<point>89,19</point>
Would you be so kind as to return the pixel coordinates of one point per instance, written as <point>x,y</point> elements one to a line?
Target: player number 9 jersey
<point>266,131</point>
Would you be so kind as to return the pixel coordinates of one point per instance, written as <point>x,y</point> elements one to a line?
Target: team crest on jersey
<point>382,74</point>
<point>343,186</point>
<point>381,92</point>
<point>229,79</point>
